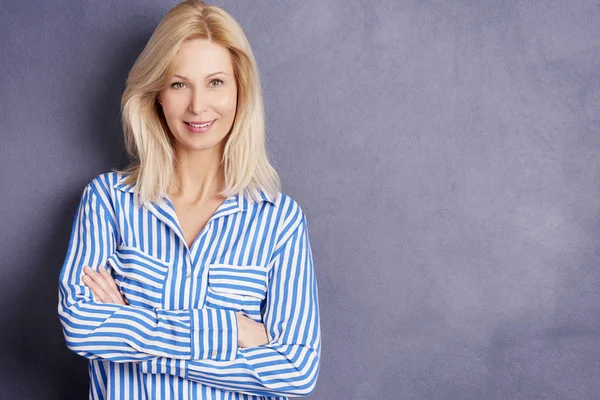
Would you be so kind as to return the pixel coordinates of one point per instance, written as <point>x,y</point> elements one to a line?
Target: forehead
<point>199,57</point>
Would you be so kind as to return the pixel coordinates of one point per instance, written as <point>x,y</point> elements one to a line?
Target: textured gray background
<point>445,152</point>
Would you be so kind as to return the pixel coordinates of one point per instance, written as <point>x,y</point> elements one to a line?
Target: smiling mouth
<point>201,125</point>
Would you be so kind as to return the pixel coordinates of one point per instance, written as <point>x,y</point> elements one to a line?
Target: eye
<point>216,83</point>
<point>176,83</point>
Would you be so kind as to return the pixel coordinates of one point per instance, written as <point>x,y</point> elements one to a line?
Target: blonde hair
<point>148,140</point>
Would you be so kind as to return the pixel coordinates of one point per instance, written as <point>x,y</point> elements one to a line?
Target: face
<point>199,101</point>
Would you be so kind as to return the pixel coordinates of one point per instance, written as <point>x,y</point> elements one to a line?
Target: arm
<point>289,364</point>
<point>124,333</point>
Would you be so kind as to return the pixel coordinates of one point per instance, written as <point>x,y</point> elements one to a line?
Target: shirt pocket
<point>139,276</point>
<point>238,288</point>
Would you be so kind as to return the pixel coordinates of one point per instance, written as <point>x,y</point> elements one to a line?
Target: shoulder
<point>292,218</point>
<point>288,205</point>
<point>281,203</point>
<point>104,184</point>
<point>107,180</point>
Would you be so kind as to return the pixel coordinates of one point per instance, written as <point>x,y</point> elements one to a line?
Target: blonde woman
<point>189,275</point>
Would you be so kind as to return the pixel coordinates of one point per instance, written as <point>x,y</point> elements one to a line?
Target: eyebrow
<point>207,76</point>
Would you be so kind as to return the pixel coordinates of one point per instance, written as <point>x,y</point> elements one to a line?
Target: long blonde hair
<point>148,140</point>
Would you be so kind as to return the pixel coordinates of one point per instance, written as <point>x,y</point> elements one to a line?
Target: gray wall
<point>446,154</point>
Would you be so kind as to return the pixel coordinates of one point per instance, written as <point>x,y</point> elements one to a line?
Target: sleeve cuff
<point>163,365</point>
<point>214,334</point>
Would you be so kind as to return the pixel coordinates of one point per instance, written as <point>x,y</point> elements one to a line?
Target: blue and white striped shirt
<point>177,337</point>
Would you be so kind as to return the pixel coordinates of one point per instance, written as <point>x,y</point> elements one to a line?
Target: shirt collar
<point>239,198</point>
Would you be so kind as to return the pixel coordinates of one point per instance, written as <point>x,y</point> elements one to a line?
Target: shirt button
<point>187,276</point>
<point>214,353</point>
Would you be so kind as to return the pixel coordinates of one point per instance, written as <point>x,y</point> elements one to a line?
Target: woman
<point>189,275</point>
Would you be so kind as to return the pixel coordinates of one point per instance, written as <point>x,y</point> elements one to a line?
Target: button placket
<point>188,283</point>
<point>188,267</point>
<point>197,253</point>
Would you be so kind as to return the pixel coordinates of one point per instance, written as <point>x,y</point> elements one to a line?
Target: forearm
<point>271,370</point>
<point>129,333</point>
<point>123,333</point>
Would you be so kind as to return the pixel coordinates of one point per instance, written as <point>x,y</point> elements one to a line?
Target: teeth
<point>200,126</point>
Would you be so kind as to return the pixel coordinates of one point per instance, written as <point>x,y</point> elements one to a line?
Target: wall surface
<point>446,153</point>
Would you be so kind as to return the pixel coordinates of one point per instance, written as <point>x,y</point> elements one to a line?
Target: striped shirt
<point>177,337</point>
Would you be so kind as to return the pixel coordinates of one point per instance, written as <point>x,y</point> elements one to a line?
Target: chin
<point>191,145</point>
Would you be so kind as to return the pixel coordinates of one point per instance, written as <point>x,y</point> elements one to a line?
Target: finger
<point>104,283</point>
<point>98,279</point>
<point>109,279</point>
<point>101,295</point>
<point>114,291</point>
<point>100,285</point>
<point>96,290</point>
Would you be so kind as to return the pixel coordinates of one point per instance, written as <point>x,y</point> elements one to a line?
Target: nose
<point>198,103</point>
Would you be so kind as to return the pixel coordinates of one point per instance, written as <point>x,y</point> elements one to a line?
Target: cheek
<point>173,106</point>
<point>226,104</point>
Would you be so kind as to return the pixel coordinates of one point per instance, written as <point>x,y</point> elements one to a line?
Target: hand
<point>250,332</point>
<point>103,286</point>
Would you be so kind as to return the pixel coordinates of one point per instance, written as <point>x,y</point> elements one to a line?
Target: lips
<point>199,127</point>
<point>199,124</point>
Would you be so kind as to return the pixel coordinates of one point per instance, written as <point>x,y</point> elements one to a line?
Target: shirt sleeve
<point>128,333</point>
<point>289,364</point>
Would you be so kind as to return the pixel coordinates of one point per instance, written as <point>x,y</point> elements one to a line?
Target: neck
<point>198,175</point>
